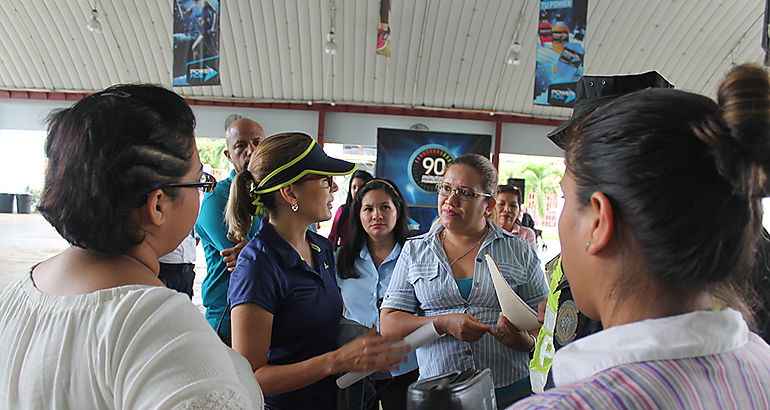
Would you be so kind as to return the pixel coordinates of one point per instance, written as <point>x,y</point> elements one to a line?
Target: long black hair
<point>362,175</point>
<point>358,236</point>
<point>685,177</point>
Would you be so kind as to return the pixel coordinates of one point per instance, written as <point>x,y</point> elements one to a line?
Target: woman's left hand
<point>512,337</point>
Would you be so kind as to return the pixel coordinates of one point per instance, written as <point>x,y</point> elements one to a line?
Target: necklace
<point>443,240</point>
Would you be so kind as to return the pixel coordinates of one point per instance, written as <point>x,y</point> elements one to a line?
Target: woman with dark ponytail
<point>659,228</point>
<point>286,305</point>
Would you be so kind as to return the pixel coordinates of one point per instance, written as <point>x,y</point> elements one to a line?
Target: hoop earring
<point>295,207</point>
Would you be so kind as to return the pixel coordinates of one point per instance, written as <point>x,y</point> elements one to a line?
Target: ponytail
<point>743,157</point>
<point>240,210</point>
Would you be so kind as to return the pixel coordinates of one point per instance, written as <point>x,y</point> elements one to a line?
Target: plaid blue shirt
<point>423,283</point>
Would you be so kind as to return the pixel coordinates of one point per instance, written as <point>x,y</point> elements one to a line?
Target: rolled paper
<point>420,337</point>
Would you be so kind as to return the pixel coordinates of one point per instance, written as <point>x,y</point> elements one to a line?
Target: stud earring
<point>588,245</point>
<point>295,208</point>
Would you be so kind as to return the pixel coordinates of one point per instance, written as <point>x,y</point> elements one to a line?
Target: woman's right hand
<point>369,352</point>
<point>462,326</point>
<point>541,312</point>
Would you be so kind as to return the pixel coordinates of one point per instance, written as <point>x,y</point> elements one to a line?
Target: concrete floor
<point>26,239</point>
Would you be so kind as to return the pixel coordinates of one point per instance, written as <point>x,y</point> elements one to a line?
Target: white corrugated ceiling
<point>272,50</point>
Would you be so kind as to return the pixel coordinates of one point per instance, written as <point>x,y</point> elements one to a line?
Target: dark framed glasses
<point>206,184</point>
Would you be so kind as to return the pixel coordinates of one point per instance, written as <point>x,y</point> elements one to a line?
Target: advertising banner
<point>560,51</point>
<point>417,160</point>
<point>196,42</point>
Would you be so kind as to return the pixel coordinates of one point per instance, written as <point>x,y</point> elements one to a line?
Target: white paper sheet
<point>515,310</point>
<point>420,337</point>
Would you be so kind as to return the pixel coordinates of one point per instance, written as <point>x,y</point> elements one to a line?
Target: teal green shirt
<point>212,229</point>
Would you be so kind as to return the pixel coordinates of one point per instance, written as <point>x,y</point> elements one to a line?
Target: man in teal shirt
<point>242,137</point>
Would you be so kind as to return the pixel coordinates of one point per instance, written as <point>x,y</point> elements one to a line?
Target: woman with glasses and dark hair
<point>508,209</point>
<point>94,327</point>
<point>442,275</point>
<point>378,229</point>
<point>286,305</point>
<point>661,220</point>
<point>340,229</point>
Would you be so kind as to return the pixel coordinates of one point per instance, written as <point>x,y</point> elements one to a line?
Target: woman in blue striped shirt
<point>661,218</point>
<point>442,275</point>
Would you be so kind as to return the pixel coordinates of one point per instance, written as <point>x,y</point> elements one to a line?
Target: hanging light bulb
<point>94,25</point>
<point>330,47</point>
<point>512,58</point>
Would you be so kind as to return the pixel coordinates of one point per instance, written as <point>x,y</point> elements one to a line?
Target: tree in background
<point>212,152</point>
<point>541,177</point>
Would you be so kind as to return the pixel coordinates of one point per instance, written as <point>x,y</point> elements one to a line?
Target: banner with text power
<point>560,51</point>
<point>196,42</point>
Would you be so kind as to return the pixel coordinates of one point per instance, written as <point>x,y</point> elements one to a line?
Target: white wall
<point>528,139</point>
<point>347,128</point>
<point>30,115</point>
<point>344,128</point>
<point>27,114</point>
<point>211,120</point>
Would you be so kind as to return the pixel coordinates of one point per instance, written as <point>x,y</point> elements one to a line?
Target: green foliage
<point>541,177</point>
<point>36,194</point>
<point>212,152</point>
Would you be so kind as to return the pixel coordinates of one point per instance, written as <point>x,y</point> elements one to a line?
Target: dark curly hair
<point>105,154</point>
<point>358,236</point>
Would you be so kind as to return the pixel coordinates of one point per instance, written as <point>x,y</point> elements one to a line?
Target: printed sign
<point>196,42</point>
<point>417,160</point>
<point>560,51</point>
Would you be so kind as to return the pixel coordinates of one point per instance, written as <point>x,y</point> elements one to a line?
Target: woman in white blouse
<point>93,327</point>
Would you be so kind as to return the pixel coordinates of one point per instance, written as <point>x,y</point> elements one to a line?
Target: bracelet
<point>534,343</point>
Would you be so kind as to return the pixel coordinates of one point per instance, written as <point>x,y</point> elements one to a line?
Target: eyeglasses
<point>327,181</point>
<point>464,194</point>
<point>206,184</point>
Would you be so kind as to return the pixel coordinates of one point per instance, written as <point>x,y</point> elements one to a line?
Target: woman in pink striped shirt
<point>661,219</point>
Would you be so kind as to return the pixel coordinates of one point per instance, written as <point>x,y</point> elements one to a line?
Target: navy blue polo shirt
<point>306,305</point>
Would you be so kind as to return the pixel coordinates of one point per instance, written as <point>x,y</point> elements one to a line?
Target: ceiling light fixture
<point>512,58</point>
<point>94,25</point>
<point>330,47</point>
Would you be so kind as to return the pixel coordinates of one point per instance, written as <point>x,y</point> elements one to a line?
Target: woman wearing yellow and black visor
<point>286,304</point>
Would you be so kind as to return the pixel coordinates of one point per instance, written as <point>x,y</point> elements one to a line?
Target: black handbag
<point>456,390</point>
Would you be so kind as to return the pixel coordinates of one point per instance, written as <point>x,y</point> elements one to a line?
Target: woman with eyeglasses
<point>286,305</point>
<point>442,275</point>
<point>94,327</point>
<point>378,229</point>
<point>662,216</point>
<point>508,208</point>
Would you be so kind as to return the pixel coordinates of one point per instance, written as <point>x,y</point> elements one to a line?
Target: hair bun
<point>744,104</point>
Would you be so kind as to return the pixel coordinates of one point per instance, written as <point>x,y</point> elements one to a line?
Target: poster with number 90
<point>417,160</point>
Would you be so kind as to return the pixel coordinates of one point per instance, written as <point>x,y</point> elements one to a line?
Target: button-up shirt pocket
<point>427,287</point>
